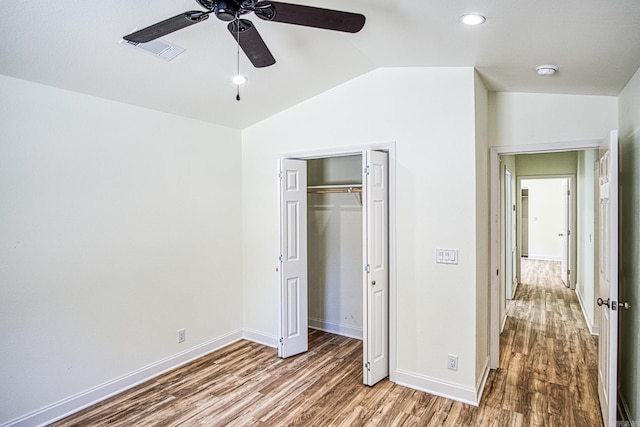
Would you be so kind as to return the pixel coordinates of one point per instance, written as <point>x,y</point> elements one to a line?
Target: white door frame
<point>509,266</point>
<point>495,238</point>
<point>390,148</point>
<point>568,233</point>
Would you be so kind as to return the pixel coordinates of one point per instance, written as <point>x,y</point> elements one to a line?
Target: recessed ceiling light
<point>472,19</point>
<point>546,70</point>
<point>239,80</point>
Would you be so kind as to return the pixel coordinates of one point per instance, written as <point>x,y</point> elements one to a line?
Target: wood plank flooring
<point>547,377</point>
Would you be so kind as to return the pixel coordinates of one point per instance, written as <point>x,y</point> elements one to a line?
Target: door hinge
<point>280,174</point>
<point>281,340</point>
<point>367,366</point>
<point>568,272</point>
<point>367,268</point>
<point>281,258</point>
<point>568,232</point>
<point>366,170</point>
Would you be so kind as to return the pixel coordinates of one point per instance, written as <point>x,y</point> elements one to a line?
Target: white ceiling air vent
<point>158,47</point>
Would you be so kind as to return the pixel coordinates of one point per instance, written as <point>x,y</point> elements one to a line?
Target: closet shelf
<point>342,188</point>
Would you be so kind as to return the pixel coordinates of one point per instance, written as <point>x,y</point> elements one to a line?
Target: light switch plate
<point>446,256</point>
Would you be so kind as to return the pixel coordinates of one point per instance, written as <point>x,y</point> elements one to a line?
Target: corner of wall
<point>483,222</point>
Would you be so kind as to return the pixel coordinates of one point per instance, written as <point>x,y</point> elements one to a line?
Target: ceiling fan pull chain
<point>238,59</point>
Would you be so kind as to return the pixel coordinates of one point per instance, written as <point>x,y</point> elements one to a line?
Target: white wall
<point>528,118</point>
<point>118,226</point>
<point>629,107</point>
<point>430,115</point>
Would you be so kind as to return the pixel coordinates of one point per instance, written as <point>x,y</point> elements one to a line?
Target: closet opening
<point>334,240</point>
<point>334,233</point>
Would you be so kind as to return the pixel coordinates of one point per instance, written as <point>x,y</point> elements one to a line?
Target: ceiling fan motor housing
<point>226,10</point>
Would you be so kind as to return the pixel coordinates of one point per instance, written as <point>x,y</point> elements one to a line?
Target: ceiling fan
<point>244,31</point>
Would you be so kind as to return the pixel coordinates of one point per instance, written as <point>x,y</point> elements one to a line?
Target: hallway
<point>548,358</point>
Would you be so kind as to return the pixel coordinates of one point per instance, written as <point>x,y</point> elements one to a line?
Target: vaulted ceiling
<point>75,45</point>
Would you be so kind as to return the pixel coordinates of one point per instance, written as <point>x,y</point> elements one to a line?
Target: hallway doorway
<point>546,225</point>
<point>546,160</point>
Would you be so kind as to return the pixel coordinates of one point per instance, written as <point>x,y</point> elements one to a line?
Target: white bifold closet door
<point>293,323</point>
<point>376,287</point>
<point>293,316</point>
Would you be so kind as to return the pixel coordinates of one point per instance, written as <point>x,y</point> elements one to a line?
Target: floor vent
<point>158,47</point>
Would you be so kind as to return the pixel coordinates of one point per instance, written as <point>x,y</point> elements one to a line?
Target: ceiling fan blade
<point>167,26</point>
<point>310,16</point>
<point>251,43</point>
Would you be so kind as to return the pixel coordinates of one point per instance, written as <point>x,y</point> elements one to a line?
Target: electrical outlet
<point>181,336</point>
<point>452,362</point>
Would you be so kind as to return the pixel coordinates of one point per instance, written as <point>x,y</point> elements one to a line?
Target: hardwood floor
<point>547,377</point>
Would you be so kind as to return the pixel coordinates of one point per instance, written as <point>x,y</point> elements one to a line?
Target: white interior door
<point>509,234</point>
<point>608,280</point>
<point>565,232</point>
<point>293,258</point>
<point>376,283</point>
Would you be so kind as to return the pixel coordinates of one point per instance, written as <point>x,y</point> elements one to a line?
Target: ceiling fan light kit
<point>546,70</point>
<point>239,80</point>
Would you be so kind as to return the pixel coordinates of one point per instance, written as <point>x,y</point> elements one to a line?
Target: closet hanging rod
<point>323,189</point>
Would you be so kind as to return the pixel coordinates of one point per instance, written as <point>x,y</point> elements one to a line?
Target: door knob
<point>625,305</point>
<point>373,282</point>
<point>602,302</point>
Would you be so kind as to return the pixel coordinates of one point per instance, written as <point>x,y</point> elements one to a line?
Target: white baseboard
<point>84,399</point>
<point>335,328</point>
<point>542,257</point>
<point>503,322</point>
<point>438,387</point>
<point>482,380</point>
<point>514,289</point>
<point>593,329</point>
<point>260,338</point>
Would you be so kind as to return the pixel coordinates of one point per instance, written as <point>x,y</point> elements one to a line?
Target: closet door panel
<point>376,336</point>
<point>293,258</point>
